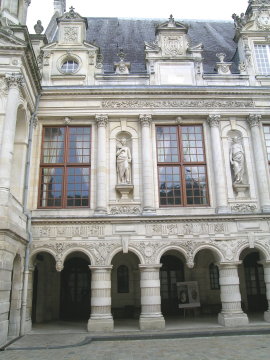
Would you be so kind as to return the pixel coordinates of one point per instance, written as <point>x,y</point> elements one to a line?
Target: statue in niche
<point>237,159</point>
<point>123,160</point>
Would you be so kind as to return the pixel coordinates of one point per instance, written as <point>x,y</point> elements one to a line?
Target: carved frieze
<point>189,228</point>
<point>244,208</point>
<point>153,104</point>
<point>69,231</point>
<point>125,210</point>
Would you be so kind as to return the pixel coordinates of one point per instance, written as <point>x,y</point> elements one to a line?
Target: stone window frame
<point>65,165</point>
<point>69,57</point>
<point>180,164</point>
<point>258,61</point>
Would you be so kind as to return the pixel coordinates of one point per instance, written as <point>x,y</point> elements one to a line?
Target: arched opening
<point>46,289</point>
<point>126,294</point>
<point>171,272</point>
<point>19,156</point>
<point>75,288</point>
<point>15,299</point>
<point>252,283</point>
<point>206,274</point>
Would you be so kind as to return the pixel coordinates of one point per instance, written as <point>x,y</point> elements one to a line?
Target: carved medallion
<point>173,46</point>
<point>263,20</point>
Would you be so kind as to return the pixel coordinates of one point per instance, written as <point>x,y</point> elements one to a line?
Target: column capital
<point>214,120</point>
<point>101,267</point>
<point>14,80</point>
<point>149,267</point>
<point>254,120</point>
<point>145,119</point>
<point>102,120</point>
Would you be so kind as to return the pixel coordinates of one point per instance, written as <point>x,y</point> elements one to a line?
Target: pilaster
<point>218,165</point>
<point>147,164</point>
<point>261,170</point>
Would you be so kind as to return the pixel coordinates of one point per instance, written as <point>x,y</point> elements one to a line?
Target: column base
<point>233,320</point>
<point>266,316</point>
<point>100,211</point>
<point>152,323</point>
<point>223,210</point>
<point>266,209</point>
<point>99,325</point>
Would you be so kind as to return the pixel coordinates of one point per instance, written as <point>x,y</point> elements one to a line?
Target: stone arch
<point>19,154</point>
<point>15,297</point>
<point>257,246</point>
<point>119,250</point>
<point>219,257</point>
<point>77,250</point>
<point>178,249</point>
<point>239,128</point>
<point>35,252</point>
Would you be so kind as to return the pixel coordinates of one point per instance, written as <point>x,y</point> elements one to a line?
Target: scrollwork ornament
<point>145,120</point>
<point>214,120</point>
<point>14,80</point>
<point>254,120</point>
<point>102,120</point>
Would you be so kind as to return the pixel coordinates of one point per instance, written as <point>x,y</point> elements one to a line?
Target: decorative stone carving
<point>263,20</point>
<point>242,68</point>
<point>247,49</point>
<point>71,34</point>
<point>152,46</point>
<point>14,80</point>
<point>125,210</point>
<point>99,61</point>
<point>122,67</point>
<point>223,68</point>
<point>67,120</point>
<point>146,119</point>
<point>46,58</point>
<point>254,120</point>
<point>190,228</point>
<point>34,121</point>
<point>237,159</point>
<point>38,27</point>
<point>173,46</point>
<point>102,120</point>
<point>244,208</point>
<point>214,120</point>
<point>41,232</point>
<point>71,15</point>
<point>239,21</point>
<point>176,104</point>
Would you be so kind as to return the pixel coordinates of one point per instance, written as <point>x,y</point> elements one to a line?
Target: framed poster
<point>188,294</point>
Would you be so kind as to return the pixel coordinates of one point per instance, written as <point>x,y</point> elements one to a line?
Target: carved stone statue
<point>237,159</point>
<point>123,160</point>
<point>38,27</point>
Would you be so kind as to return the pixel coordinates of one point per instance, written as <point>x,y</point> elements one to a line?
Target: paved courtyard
<point>81,346</point>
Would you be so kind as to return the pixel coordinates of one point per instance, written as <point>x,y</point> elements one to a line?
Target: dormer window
<point>262,54</point>
<point>69,66</point>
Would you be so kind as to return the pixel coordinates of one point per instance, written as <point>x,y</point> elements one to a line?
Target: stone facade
<point>123,253</point>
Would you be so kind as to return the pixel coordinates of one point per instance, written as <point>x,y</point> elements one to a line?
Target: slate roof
<point>112,34</point>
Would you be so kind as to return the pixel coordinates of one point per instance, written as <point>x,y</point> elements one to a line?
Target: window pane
<point>262,58</point>
<point>167,144</point>
<point>193,150</point>
<point>51,187</point>
<point>196,190</point>
<point>79,145</point>
<point>78,186</point>
<point>53,145</point>
<point>169,185</point>
<point>70,66</point>
<point>266,130</point>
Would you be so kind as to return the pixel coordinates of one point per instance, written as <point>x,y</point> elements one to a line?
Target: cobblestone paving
<point>245,347</point>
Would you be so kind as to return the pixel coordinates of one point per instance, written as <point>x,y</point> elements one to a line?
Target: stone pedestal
<point>151,317</point>
<point>231,314</point>
<point>124,190</point>
<point>101,317</point>
<point>240,190</point>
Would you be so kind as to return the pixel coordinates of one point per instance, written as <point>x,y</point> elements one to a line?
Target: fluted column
<point>261,168</point>
<point>266,267</point>
<point>231,314</point>
<point>14,82</point>
<point>101,317</point>
<point>151,317</point>
<point>101,168</point>
<point>218,166</point>
<point>147,165</point>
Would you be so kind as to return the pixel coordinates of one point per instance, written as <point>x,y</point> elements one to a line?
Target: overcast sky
<point>180,9</point>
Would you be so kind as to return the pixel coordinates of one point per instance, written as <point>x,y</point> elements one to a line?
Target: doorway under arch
<point>75,289</point>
